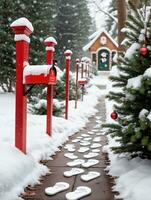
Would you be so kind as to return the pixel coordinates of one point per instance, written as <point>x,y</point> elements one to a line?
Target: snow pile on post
<point>23,22</point>
<point>51,39</point>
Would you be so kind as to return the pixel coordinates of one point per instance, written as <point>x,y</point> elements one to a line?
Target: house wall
<point>97,45</point>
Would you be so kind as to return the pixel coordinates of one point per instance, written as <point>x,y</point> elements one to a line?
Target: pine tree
<point>133,127</point>
<point>72,27</point>
<point>7,72</point>
<point>42,15</point>
<point>111,26</point>
<point>38,103</point>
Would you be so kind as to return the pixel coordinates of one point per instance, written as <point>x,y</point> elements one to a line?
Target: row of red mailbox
<point>35,74</point>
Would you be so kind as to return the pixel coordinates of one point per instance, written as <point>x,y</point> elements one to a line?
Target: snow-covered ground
<point>18,170</point>
<point>134,177</point>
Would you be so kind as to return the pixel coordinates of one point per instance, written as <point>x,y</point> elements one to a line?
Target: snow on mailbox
<point>82,81</point>
<point>39,74</point>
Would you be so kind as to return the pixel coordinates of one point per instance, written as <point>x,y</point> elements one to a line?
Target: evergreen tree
<point>133,127</point>
<point>72,27</point>
<point>42,15</point>
<point>38,103</point>
<point>7,72</point>
<point>111,26</point>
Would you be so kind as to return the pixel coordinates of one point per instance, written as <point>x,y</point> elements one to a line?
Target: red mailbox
<point>82,81</point>
<point>40,74</point>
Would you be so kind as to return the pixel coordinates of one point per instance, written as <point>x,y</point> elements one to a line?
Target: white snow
<point>36,70</point>
<point>19,37</point>
<point>50,49</point>
<point>135,82</point>
<point>147,73</point>
<point>149,116</point>
<point>51,39</point>
<point>23,22</point>
<point>68,52</point>
<point>143,113</point>
<point>132,50</point>
<point>18,170</point>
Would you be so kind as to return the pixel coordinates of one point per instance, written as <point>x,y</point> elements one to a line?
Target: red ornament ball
<point>144,51</point>
<point>114,115</point>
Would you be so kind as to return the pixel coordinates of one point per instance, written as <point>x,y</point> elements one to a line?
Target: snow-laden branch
<point>105,12</point>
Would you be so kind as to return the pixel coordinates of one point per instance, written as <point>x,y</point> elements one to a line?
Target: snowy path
<point>101,186</point>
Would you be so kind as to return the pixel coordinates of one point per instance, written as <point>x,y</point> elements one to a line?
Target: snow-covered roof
<point>95,36</point>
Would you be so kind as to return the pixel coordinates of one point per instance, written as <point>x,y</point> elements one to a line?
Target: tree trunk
<point>121,9</point>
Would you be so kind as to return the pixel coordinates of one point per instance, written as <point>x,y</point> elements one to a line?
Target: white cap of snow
<point>23,22</point>
<point>36,70</point>
<point>68,52</point>
<point>51,39</point>
<point>85,59</point>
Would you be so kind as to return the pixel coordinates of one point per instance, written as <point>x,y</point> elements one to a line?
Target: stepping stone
<point>79,137</point>
<point>58,187</point>
<point>91,155</point>
<point>97,139</point>
<point>73,172</point>
<point>90,176</point>
<point>76,140</point>
<point>91,133</point>
<point>87,139</point>
<point>71,149</point>
<point>80,192</point>
<point>98,134</point>
<point>94,130</point>
<point>98,121</point>
<point>75,162</point>
<point>98,117</point>
<point>83,149</point>
<point>69,146</point>
<point>96,150</point>
<point>95,145</point>
<point>85,143</point>
<point>90,163</point>
<point>71,156</point>
<point>85,135</point>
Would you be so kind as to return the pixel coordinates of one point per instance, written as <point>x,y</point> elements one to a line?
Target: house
<point>102,48</point>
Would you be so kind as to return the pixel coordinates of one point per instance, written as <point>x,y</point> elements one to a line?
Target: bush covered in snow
<point>38,103</point>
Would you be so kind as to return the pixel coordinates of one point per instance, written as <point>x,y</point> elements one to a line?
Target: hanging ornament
<point>114,115</point>
<point>144,51</point>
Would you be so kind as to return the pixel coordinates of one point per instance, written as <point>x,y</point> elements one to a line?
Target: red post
<point>67,54</point>
<point>22,29</point>
<point>82,66</point>
<point>76,90</point>
<point>50,42</point>
<point>88,69</point>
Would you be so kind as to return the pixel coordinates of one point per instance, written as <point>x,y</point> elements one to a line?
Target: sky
<point>96,14</point>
